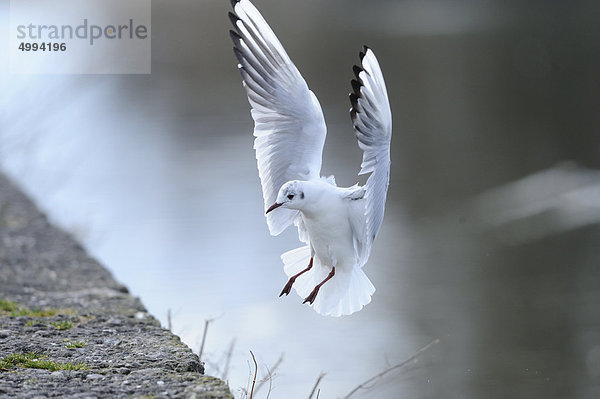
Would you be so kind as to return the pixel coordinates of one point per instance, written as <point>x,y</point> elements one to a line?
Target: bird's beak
<point>272,207</point>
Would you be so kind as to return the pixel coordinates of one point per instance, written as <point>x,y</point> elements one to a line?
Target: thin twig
<point>399,365</point>
<point>316,385</point>
<point>270,378</point>
<point>255,372</point>
<point>206,323</point>
<point>249,378</point>
<point>318,393</point>
<point>271,372</point>
<point>228,360</point>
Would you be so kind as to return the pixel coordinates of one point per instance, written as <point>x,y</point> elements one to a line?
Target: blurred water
<point>156,175</point>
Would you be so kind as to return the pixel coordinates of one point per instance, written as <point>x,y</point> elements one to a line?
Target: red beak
<point>272,207</point>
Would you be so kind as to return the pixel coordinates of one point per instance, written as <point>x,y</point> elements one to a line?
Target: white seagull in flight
<point>338,224</point>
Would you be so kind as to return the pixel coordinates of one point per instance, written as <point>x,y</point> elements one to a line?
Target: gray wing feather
<point>289,127</point>
<point>372,120</point>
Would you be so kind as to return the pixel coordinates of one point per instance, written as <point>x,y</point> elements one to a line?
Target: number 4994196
<point>49,46</point>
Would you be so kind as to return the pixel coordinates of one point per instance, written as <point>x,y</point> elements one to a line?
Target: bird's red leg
<point>288,287</point>
<point>313,295</point>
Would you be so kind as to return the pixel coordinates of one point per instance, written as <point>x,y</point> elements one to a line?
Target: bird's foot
<point>288,287</point>
<point>312,296</point>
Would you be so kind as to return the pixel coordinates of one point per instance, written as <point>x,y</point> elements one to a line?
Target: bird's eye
<point>291,196</point>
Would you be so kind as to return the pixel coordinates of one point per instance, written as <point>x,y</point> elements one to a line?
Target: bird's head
<point>291,195</point>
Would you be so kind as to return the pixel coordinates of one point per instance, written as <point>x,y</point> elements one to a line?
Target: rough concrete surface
<point>90,337</point>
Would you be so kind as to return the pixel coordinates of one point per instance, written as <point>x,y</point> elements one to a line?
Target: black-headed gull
<point>338,224</point>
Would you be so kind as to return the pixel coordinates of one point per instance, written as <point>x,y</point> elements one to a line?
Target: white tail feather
<point>347,292</point>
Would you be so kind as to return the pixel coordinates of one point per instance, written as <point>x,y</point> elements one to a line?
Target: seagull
<point>337,224</point>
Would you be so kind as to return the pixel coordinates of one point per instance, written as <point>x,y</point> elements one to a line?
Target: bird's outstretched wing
<point>372,120</point>
<point>288,120</point>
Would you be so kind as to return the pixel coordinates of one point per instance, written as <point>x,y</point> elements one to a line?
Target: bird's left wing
<point>372,120</point>
<point>288,121</point>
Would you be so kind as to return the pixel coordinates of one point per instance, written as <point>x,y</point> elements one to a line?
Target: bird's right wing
<point>288,121</point>
<point>372,120</point>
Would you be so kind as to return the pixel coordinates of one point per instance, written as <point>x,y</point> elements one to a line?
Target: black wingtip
<point>238,54</point>
<point>353,113</point>
<point>233,18</point>
<point>355,86</point>
<point>357,70</point>
<point>354,100</point>
<point>363,52</point>
<point>234,2</point>
<point>235,36</point>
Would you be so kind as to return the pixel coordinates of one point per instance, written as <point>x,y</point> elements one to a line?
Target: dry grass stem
<point>255,372</point>
<point>206,323</point>
<point>365,384</point>
<point>316,385</point>
<point>270,371</point>
<point>270,379</point>
<point>228,360</point>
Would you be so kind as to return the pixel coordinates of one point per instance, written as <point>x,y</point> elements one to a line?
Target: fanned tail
<point>347,292</point>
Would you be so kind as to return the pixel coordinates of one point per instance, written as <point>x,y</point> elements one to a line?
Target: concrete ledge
<point>85,335</point>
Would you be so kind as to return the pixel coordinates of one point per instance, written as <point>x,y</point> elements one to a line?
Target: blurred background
<point>492,230</point>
